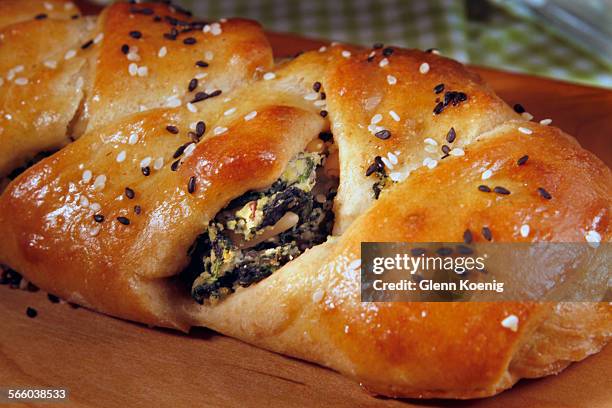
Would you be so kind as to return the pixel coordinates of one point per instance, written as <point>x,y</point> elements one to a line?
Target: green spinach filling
<point>260,231</point>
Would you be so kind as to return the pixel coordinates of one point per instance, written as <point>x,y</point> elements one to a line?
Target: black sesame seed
<point>191,185</point>
<point>316,86</point>
<point>326,136</point>
<point>200,128</point>
<point>486,232</point>
<point>53,298</point>
<point>157,19</point>
<point>438,108</point>
<point>40,16</point>
<point>387,51</point>
<point>129,193</point>
<point>87,44</point>
<point>201,64</point>
<point>370,58</point>
<point>31,312</point>
<point>418,251</point>
<point>199,96</point>
<point>383,134</point>
<point>189,41</point>
<point>378,46</point>
<point>501,190</point>
<point>98,218</point>
<point>323,95</point>
<point>124,220</point>
<point>451,135</point>
<point>146,170</point>
<point>430,50</point>
<point>175,165</point>
<point>522,160</point>
<point>323,113</point>
<point>518,108</point>
<point>180,150</point>
<point>74,16</point>
<point>467,236</point>
<point>438,88</point>
<point>170,36</point>
<point>137,209</point>
<point>484,189</point>
<point>125,49</point>
<point>135,34</point>
<point>545,194</point>
<point>193,84</point>
<point>445,149</point>
<point>214,93</point>
<point>172,129</point>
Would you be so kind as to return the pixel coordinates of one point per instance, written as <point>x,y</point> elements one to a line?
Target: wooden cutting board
<point>106,362</point>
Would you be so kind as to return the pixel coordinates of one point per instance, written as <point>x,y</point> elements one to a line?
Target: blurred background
<point>564,39</point>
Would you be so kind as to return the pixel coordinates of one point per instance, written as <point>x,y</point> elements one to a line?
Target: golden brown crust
<point>311,307</point>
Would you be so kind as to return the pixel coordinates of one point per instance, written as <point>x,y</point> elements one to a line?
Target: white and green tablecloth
<point>505,40</point>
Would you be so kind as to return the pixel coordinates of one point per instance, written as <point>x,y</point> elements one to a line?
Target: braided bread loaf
<point>174,122</point>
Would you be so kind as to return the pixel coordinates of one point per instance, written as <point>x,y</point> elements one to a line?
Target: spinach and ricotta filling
<point>260,231</point>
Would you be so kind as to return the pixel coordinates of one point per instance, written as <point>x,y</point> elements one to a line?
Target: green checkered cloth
<point>507,40</point>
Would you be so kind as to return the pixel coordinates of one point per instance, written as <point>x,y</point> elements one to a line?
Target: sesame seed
<point>545,194</point>
<point>193,84</point>
<point>323,48</point>
<point>146,171</point>
<point>383,134</point>
<point>522,160</point>
<point>430,163</point>
<point>524,230</point>
<point>95,207</point>
<point>50,64</point>
<point>98,38</point>
<point>173,102</point>
<point>316,86</point>
<point>484,189</point>
<point>518,108</point>
<point>87,175</point>
<point>146,161</point>
<point>486,174</point>
<point>430,141</point>
<point>133,139</point>
<point>125,49</point>
<point>129,193</point>
<point>346,54</point>
<point>219,130</point>
<point>41,16</point>
<point>383,62</point>
<point>121,156</point>
<point>486,232</point>
<point>457,152</point>
<point>31,312</point>
<point>215,29</point>
<point>438,108</point>
<point>250,115</point>
<point>191,107</point>
<point>137,210</point>
<point>191,185</point>
<point>467,236</point>
<point>323,113</point>
<point>394,115</point>
<point>391,80</point>
<point>501,190</point>
<point>387,51</point>
<point>209,55</point>
<point>269,76</point>
<point>387,162</point>
<point>172,129</point>
<point>87,44</point>
<point>175,165</point>
<point>424,68</point>
<point>545,122</point>
<point>124,220</point>
<point>143,71</point>
<point>158,163</point>
<point>526,115</point>
<point>511,322</point>
<point>311,96</point>
<point>135,34</point>
<point>525,130</point>
<point>200,128</point>
<point>100,182</point>
<point>376,119</point>
<point>451,135</point>
<point>98,218</point>
<point>438,89</point>
<point>21,81</point>
<point>392,158</point>
<point>593,238</point>
<point>201,64</point>
<point>133,69</point>
<point>162,52</point>
<point>189,41</point>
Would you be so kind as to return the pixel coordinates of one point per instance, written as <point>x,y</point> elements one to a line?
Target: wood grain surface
<point>107,362</point>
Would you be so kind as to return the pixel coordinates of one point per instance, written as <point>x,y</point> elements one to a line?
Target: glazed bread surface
<point>109,221</point>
